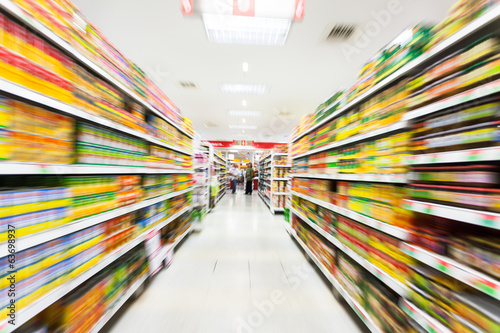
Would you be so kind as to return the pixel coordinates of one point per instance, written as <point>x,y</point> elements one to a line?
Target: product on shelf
<point>82,309</point>
<point>280,149</point>
<point>100,146</point>
<point>281,173</point>
<point>166,158</point>
<point>164,131</point>
<point>26,130</point>
<point>65,20</point>
<point>175,229</point>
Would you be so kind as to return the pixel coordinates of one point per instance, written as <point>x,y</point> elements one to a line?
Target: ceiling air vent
<point>341,31</point>
<point>187,84</point>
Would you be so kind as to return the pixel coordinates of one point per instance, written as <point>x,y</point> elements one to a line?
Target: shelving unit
<point>202,178</point>
<point>219,168</point>
<point>268,182</point>
<point>348,194</point>
<point>172,134</point>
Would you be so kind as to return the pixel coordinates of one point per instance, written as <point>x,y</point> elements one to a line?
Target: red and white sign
<point>300,6</point>
<point>244,7</point>
<point>222,144</point>
<point>187,7</point>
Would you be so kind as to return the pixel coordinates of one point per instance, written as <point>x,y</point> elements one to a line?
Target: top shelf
<point>488,18</point>
<point>17,12</point>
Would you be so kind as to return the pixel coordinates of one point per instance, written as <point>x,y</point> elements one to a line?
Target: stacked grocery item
<point>175,229</point>
<point>324,253</point>
<point>67,22</point>
<point>26,130</point>
<point>81,310</point>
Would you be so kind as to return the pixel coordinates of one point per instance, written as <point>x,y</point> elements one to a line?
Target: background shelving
<point>273,179</point>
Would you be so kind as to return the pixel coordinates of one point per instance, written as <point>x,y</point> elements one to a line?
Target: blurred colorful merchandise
<point>65,20</point>
<point>45,267</point>
<point>97,145</point>
<point>79,311</point>
<point>26,130</point>
<point>166,158</point>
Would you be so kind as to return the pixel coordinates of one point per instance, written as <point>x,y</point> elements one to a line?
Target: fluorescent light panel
<point>243,127</point>
<point>243,113</point>
<point>230,29</point>
<point>244,89</point>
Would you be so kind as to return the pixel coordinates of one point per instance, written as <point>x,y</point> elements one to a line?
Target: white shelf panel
<point>279,193</point>
<point>13,9</point>
<point>281,179</point>
<point>392,283</point>
<point>484,20</point>
<point>358,309</point>
<point>467,96</point>
<point>123,299</point>
<point>264,199</point>
<point>397,232</point>
<point>384,130</point>
<point>468,275</point>
<point>430,324</point>
<point>375,178</point>
<point>70,110</point>
<point>13,168</point>
<point>469,155</point>
<point>477,217</point>
<point>282,166</point>
<point>29,241</point>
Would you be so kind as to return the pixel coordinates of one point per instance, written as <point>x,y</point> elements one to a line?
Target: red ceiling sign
<point>264,145</point>
<point>222,144</point>
<point>300,6</point>
<point>244,8</point>
<point>187,7</point>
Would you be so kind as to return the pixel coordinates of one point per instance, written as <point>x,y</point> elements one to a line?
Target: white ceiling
<point>302,74</point>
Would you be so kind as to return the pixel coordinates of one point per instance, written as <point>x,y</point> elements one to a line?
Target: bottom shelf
<point>360,311</point>
<point>100,324</point>
<point>179,239</point>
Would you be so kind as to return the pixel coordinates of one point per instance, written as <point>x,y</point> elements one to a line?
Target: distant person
<point>249,174</point>
<point>234,173</point>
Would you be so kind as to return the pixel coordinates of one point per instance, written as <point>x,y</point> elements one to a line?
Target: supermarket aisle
<point>242,273</point>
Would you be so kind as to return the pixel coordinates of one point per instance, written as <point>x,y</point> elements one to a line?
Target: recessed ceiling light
<point>243,120</point>
<point>244,103</point>
<point>230,29</point>
<point>244,89</point>
<point>245,67</point>
<point>243,131</point>
<point>243,127</point>
<point>243,113</point>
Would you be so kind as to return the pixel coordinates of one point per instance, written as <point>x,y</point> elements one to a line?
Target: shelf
<point>278,209</point>
<point>477,217</point>
<point>14,168</point>
<point>30,95</point>
<point>282,166</point>
<point>29,241</point>
<point>281,179</point>
<point>460,156</point>
<point>279,193</point>
<point>376,178</point>
<point>55,294</point>
<point>17,12</point>
<point>428,323</point>
<point>467,96</point>
<point>179,239</point>
<point>389,281</point>
<point>26,313</point>
<point>481,22</point>
<point>123,299</point>
<point>220,196</point>
<point>358,309</point>
<point>267,184</point>
<point>264,199</point>
<point>360,137</point>
<point>280,154</point>
<point>468,275</point>
<point>384,227</point>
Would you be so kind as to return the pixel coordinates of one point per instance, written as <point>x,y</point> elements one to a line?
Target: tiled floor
<point>241,274</point>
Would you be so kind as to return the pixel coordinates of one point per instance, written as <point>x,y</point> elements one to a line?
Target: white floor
<point>242,273</point>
